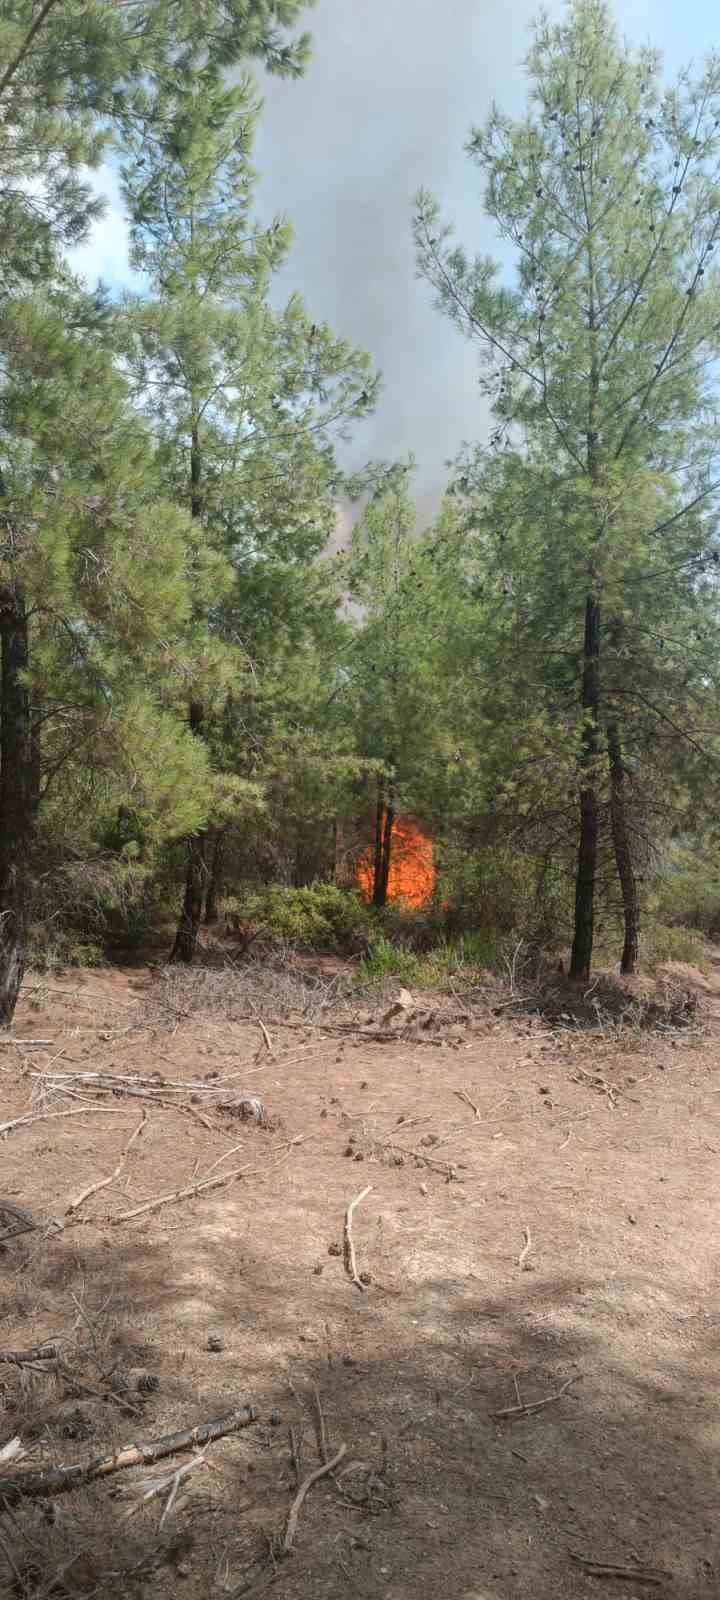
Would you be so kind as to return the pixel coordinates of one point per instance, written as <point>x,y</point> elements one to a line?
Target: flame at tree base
<point>412,866</point>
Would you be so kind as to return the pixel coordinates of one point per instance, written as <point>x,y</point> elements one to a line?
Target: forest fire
<point>412,868</point>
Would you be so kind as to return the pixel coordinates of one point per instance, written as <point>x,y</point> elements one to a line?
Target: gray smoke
<point>385,108</point>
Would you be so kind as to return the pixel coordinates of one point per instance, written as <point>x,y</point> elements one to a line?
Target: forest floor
<point>541,1227</point>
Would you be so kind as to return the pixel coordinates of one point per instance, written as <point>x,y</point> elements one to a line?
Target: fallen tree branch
<point>44,1116</point>
<point>527,1247</point>
<point>193,1189</point>
<point>57,1480</point>
<point>348,1246</point>
<point>461,1095</point>
<point>37,1352</point>
<point>610,1569</point>
<point>320,1472</point>
<point>104,1183</point>
<point>26,1041</point>
<point>534,1405</point>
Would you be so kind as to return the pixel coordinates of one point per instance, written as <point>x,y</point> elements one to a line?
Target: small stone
<point>215,1343</point>
<point>317,1271</point>
<point>423,1188</point>
<point>275,1419</point>
<point>334,1249</point>
<point>632,1219</point>
<point>364,1084</point>
<point>365,1278</point>
<point>359,1155</point>
<point>348,1151</point>
<point>349,1361</point>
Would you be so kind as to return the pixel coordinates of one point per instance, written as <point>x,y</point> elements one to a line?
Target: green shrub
<point>322,917</point>
<point>688,892</point>
<point>51,947</point>
<point>500,892</point>
<point>674,944</point>
<point>387,960</point>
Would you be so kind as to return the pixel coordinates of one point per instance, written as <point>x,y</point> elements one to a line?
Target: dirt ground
<point>542,1218</point>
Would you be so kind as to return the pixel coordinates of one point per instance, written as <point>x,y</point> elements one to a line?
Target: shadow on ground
<point>442,1499</point>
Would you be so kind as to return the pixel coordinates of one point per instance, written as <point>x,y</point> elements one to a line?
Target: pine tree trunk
<point>384,820</point>
<point>589,810</point>
<point>196,875</point>
<point>387,847</point>
<point>377,898</point>
<point>214,882</point>
<point>17,807</point>
<point>623,853</point>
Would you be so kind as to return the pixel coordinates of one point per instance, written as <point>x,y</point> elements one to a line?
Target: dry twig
<point>37,1352</point>
<point>461,1095</point>
<point>534,1405</point>
<point>104,1183</point>
<point>527,1247</point>
<point>611,1569</point>
<point>348,1246</point>
<point>312,1477</point>
<point>44,1116</point>
<point>193,1189</point>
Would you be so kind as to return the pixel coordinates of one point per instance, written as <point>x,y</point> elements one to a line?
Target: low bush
<point>675,943</point>
<point>322,917</point>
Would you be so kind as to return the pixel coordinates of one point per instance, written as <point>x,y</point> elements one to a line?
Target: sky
<point>387,103</point>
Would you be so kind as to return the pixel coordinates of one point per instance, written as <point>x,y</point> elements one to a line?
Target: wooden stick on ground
<point>56,1480</point>
<point>610,1569</point>
<point>527,1247</point>
<point>37,1352</point>
<point>44,1116</point>
<point>320,1472</point>
<point>534,1405</point>
<point>104,1183</point>
<point>461,1095</point>
<point>26,1041</point>
<point>348,1246</point>
<point>201,1187</point>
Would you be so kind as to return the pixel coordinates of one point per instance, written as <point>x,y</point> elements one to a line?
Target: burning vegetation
<point>411,867</point>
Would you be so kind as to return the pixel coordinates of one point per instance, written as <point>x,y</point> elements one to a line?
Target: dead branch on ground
<point>320,1472</point>
<point>611,1569</point>
<point>534,1405</point>
<point>44,1116</point>
<point>200,1187</point>
<point>104,1183</point>
<point>527,1247</point>
<point>37,1352</point>
<point>57,1480</point>
<point>348,1245</point>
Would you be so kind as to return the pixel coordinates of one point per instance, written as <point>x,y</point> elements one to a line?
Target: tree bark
<point>589,819</point>
<point>214,882</point>
<point>377,872</point>
<point>384,821</point>
<point>17,807</point>
<point>196,875</point>
<point>623,852</point>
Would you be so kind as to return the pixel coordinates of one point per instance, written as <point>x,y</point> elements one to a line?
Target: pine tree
<point>393,690</point>
<point>244,400</point>
<point>94,581</point>
<point>599,356</point>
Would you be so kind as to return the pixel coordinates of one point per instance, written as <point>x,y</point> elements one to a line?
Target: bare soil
<point>543,1208</point>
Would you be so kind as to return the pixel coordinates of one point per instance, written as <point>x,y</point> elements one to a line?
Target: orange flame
<point>412,866</point>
